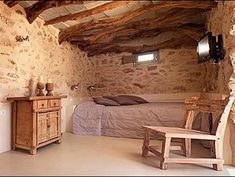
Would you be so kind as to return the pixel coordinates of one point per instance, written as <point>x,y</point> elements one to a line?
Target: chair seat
<point>174,132</point>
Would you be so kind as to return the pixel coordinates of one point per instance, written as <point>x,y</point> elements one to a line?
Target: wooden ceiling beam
<point>67,33</point>
<point>168,44</point>
<point>172,18</point>
<point>86,13</point>
<point>182,31</point>
<point>192,32</point>
<point>10,3</point>
<point>36,9</point>
<point>87,46</point>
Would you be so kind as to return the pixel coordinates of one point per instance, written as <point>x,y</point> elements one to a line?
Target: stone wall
<point>40,55</point>
<point>217,75</point>
<point>176,71</point>
<point>220,77</point>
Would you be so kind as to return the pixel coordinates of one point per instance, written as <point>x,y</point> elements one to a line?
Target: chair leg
<point>145,147</point>
<point>165,152</point>
<point>187,147</point>
<point>217,152</point>
<point>212,148</point>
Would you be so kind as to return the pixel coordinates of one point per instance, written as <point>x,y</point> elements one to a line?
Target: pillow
<point>105,101</point>
<point>122,100</point>
<point>135,98</point>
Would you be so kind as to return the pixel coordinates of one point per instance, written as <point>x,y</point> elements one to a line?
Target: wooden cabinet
<point>36,121</point>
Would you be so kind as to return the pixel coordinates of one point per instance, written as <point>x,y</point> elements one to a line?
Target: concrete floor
<point>97,156</point>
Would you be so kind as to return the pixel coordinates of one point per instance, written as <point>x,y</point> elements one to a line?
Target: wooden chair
<point>186,134</point>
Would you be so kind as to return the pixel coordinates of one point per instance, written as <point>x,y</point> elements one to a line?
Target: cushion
<point>105,101</point>
<point>122,100</point>
<point>135,98</point>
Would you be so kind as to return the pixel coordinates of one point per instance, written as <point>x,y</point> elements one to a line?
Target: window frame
<point>134,58</point>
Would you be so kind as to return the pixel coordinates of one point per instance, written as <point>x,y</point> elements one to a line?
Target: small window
<point>146,57</point>
<point>141,58</point>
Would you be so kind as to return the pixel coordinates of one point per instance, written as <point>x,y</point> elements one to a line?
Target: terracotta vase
<point>40,87</point>
<point>49,89</point>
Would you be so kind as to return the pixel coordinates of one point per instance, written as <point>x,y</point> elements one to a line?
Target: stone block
<point>128,70</point>
<point>150,68</point>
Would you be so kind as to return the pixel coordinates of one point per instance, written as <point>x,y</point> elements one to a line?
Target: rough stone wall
<point>176,71</point>
<point>217,75</point>
<point>220,78</point>
<point>41,55</point>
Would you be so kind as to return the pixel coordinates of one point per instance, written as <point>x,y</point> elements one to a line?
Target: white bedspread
<point>125,121</point>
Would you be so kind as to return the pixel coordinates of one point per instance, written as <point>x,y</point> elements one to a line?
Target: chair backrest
<point>224,118</point>
<point>211,106</point>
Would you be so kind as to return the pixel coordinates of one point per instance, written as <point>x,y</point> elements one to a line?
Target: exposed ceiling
<point>122,26</point>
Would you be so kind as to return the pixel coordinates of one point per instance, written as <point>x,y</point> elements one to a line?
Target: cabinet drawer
<point>54,103</point>
<point>42,104</point>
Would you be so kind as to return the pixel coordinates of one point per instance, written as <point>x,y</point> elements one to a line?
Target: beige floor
<point>95,156</point>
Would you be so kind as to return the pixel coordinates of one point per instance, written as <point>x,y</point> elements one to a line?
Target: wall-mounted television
<point>210,48</point>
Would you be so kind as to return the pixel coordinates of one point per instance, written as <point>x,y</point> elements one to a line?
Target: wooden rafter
<point>194,33</point>
<point>67,33</point>
<point>170,43</point>
<point>178,33</point>
<point>86,13</point>
<point>174,20</point>
<point>10,3</point>
<point>171,18</point>
<point>87,46</point>
<point>34,11</point>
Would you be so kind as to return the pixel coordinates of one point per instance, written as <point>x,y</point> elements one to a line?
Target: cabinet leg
<point>33,151</point>
<point>13,148</point>
<point>58,141</point>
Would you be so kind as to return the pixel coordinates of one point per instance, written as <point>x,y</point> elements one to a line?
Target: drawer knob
<point>42,105</point>
<point>54,104</point>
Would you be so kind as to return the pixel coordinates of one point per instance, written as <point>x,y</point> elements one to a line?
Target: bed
<point>90,118</point>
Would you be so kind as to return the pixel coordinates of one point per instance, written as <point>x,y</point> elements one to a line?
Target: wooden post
<point>33,149</point>
<point>218,154</point>
<point>165,152</point>
<point>13,125</point>
<point>145,148</point>
<point>188,125</point>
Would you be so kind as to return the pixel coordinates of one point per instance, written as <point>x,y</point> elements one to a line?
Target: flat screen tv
<point>206,48</point>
